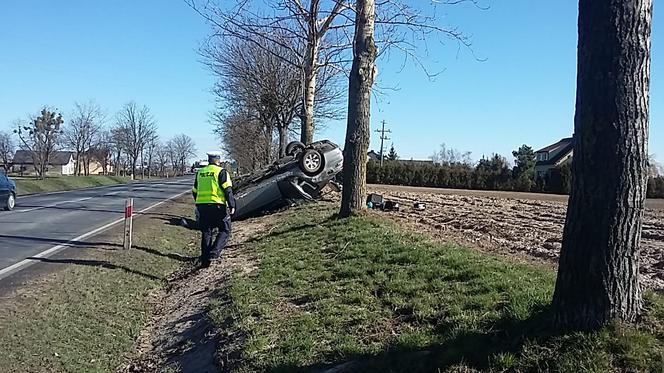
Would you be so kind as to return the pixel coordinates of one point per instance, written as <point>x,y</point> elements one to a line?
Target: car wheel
<point>294,148</point>
<point>11,202</point>
<point>311,162</point>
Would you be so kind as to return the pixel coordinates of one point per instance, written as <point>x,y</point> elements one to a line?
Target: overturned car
<point>301,175</point>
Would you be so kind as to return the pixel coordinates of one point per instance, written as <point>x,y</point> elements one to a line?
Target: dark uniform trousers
<point>211,217</point>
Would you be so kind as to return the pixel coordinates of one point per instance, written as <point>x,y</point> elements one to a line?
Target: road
<point>44,224</point>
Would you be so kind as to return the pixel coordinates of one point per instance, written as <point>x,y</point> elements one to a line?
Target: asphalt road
<point>43,224</point>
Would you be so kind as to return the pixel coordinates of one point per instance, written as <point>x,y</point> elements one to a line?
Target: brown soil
<point>181,337</point>
<point>514,224</point>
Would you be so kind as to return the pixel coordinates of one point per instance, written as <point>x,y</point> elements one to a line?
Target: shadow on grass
<point>467,349</point>
<point>97,263</point>
<point>174,256</point>
<point>179,221</point>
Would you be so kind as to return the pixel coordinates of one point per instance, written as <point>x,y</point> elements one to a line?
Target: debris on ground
<point>531,229</point>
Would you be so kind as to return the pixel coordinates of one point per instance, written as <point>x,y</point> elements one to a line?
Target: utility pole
<point>383,137</point>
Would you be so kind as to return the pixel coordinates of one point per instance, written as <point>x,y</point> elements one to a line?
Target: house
<point>553,156</point>
<point>61,163</point>
<point>373,156</point>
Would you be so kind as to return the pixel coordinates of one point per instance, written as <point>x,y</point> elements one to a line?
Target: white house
<point>62,163</point>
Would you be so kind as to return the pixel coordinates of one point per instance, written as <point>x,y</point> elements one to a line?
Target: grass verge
<point>55,184</point>
<point>368,294</point>
<point>84,313</point>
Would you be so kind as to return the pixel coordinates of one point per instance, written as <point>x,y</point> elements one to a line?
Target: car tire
<point>11,202</point>
<point>311,162</point>
<point>294,147</point>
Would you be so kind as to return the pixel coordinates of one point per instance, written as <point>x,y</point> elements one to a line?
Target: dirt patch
<point>181,337</point>
<point>522,227</point>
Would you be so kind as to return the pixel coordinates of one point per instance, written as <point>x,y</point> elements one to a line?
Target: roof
<point>58,158</point>
<point>373,155</point>
<point>416,161</point>
<point>567,147</point>
<point>562,143</point>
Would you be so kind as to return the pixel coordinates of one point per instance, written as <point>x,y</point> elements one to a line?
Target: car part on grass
<point>391,206</point>
<point>374,201</point>
<point>301,175</point>
<point>419,206</point>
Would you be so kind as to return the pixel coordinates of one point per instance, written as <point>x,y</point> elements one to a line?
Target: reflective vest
<point>207,188</point>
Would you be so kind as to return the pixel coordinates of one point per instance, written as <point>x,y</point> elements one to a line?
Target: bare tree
<point>598,273</point>
<point>138,127</point>
<point>40,136</point>
<point>252,77</point>
<point>86,121</point>
<point>303,29</point>
<point>7,149</point>
<point>162,157</point>
<point>181,149</point>
<point>118,144</point>
<point>656,169</point>
<point>448,156</point>
<point>319,35</point>
<point>245,139</point>
<point>361,80</point>
<point>151,151</point>
<point>102,150</point>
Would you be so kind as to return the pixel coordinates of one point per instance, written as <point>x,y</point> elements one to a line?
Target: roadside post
<point>128,223</point>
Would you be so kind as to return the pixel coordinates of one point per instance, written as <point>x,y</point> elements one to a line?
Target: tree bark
<point>283,139</point>
<point>310,72</point>
<point>599,261</point>
<point>361,80</point>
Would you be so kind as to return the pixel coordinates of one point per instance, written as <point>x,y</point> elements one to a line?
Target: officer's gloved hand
<point>231,211</point>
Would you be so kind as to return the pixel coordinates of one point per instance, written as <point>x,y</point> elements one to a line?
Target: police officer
<point>215,203</point>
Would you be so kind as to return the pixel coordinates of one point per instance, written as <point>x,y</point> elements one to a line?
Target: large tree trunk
<point>310,72</point>
<point>599,261</point>
<point>361,80</point>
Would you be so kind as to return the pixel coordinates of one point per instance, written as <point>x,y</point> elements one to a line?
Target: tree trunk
<point>310,72</point>
<point>283,140</point>
<point>599,261</point>
<point>361,80</point>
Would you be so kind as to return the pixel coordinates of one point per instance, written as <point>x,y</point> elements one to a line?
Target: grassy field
<point>86,316</point>
<point>366,293</point>
<point>25,185</point>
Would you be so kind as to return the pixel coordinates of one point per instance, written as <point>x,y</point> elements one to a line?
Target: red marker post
<point>128,223</point>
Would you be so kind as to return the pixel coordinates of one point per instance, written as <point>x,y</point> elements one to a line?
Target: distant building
<point>553,156</point>
<point>373,156</point>
<point>416,162</point>
<point>61,163</point>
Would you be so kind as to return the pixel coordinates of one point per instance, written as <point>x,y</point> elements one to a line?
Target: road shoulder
<point>82,309</point>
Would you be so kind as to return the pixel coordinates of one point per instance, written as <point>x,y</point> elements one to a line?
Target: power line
<point>383,137</point>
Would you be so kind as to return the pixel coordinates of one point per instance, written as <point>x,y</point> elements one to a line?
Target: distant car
<point>7,192</point>
<point>302,174</point>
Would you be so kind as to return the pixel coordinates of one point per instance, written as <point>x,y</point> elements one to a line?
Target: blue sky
<point>58,52</point>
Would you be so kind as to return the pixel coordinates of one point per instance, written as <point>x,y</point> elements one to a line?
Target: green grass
<point>366,291</point>
<point>86,316</point>
<point>54,184</point>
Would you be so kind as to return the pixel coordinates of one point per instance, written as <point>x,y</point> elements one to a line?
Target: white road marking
<point>52,205</point>
<point>48,252</point>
